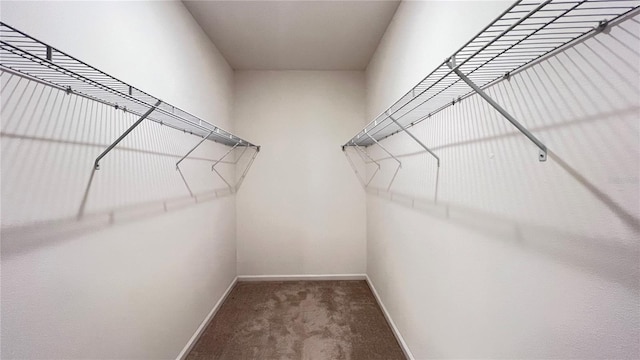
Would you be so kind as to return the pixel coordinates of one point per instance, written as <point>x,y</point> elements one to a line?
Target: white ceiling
<point>295,35</point>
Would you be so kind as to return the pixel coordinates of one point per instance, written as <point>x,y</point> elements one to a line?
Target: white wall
<point>518,259</point>
<point>137,275</point>
<point>301,211</point>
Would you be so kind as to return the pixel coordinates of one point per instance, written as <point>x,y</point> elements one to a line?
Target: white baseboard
<point>394,328</point>
<point>183,354</point>
<point>302,277</point>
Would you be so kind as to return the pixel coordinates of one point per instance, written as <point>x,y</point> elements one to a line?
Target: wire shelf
<point>25,56</point>
<point>525,32</point>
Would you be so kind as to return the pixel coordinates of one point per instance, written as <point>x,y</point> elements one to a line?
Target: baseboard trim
<point>394,328</point>
<point>194,339</point>
<point>318,277</point>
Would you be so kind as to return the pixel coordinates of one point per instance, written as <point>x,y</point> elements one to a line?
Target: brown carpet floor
<point>311,320</point>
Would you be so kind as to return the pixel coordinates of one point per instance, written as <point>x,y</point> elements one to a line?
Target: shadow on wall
<point>50,192</point>
<point>614,262</point>
<point>581,206</point>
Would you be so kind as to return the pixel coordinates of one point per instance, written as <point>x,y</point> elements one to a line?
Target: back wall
<point>301,211</point>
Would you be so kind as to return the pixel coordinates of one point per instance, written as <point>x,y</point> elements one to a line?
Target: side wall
<point>301,211</point>
<point>136,275</point>
<point>517,259</point>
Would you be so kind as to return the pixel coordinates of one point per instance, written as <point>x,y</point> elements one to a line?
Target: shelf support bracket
<point>246,170</point>
<point>223,156</point>
<point>384,149</point>
<point>414,138</point>
<point>353,166</point>
<point>192,149</point>
<point>213,167</point>
<point>96,164</point>
<point>543,149</point>
<point>366,154</point>
<point>393,178</point>
<point>355,169</point>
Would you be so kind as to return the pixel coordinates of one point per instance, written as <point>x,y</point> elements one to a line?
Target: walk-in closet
<point>320,179</point>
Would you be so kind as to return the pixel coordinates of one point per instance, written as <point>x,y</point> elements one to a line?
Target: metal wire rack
<point>527,31</point>
<point>25,56</point>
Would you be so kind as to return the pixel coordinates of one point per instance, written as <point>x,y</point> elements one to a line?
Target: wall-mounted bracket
<point>543,149</point>
<point>384,149</point>
<point>96,164</point>
<point>223,156</point>
<point>192,149</point>
<point>246,170</point>
<point>393,178</point>
<point>213,167</point>
<point>233,188</point>
<point>353,166</point>
<point>414,138</point>
<point>602,26</point>
<point>366,154</point>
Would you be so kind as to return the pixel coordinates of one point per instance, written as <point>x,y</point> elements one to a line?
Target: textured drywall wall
<point>136,275</point>
<point>517,259</point>
<point>301,212</point>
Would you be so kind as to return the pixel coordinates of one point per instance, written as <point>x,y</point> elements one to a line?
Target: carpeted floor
<point>311,320</point>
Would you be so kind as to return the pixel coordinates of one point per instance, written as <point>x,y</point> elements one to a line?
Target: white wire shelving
<point>526,32</point>
<point>25,56</point>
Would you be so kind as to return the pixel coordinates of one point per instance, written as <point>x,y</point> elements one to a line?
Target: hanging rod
<point>25,56</point>
<point>524,33</point>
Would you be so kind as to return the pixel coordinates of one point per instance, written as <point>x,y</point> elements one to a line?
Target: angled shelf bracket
<point>543,149</point>
<point>393,178</point>
<point>364,156</point>
<point>96,164</point>
<point>213,167</point>
<point>234,187</point>
<point>385,150</point>
<point>192,149</point>
<point>246,169</point>
<point>414,138</point>
<point>354,168</point>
